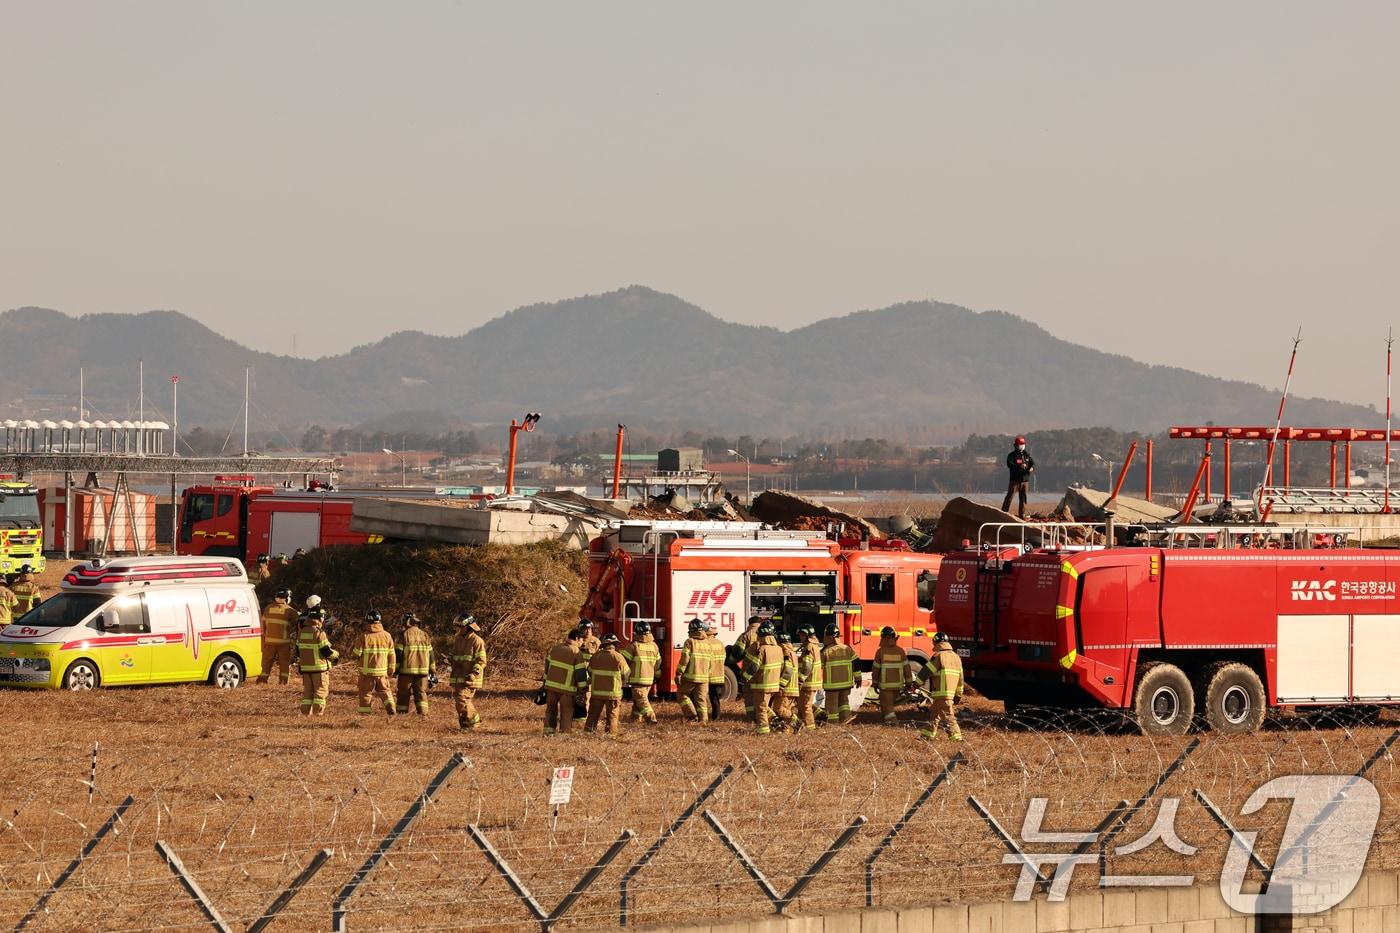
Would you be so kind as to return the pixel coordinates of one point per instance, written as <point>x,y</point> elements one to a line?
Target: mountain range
<point>923,371</point>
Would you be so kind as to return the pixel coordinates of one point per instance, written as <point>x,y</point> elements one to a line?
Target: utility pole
<point>141,407</point>
<point>247,388</point>
<point>174,416</point>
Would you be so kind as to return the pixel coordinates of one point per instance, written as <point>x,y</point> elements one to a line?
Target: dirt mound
<point>523,595</point>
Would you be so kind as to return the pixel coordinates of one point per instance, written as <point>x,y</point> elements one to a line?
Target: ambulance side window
<point>126,616</point>
<point>879,588</point>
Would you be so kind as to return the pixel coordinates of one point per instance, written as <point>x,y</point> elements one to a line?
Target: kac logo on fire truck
<point>1314,590</point>
<point>712,599</point>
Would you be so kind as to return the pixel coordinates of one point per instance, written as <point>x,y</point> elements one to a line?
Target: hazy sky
<point>1184,183</point>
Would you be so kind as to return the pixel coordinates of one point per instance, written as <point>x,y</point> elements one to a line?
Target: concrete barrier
<point>1373,907</point>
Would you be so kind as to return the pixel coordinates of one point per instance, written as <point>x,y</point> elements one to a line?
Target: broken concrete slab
<point>447,522</point>
<point>1086,505</point>
<point>962,519</point>
<point>786,508</point>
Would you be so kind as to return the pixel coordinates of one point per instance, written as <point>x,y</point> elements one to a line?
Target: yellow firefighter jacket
<point>415,652</point>
<point>375,649</point>
<point>838,666</point>
<point>607,671</point>
<point>944,673</point>
<point>563,668</point>
<point>891,665</point>
<point>278,623</point>
<point>642,656</point>
<point>314,651</point>
<point>767,669</point>
<point>468,660</point>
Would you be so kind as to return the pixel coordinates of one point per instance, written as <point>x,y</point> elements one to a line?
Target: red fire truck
<point>234,518</point>
<point>669,572</point>
<point>1169,634</point>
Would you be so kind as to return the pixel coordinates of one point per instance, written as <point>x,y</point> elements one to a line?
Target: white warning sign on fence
<point>561,786</point>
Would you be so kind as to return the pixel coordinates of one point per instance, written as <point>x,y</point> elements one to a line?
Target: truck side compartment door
<point>1101,622</point>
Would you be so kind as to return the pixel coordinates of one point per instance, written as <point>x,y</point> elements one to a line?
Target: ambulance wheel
<point>1234,698</point>
<point>81,675</point>
<point>730,690</point>
<point>227,672</point>
<point>1164,701</point>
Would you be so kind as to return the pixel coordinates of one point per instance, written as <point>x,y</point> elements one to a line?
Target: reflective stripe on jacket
<point>809,666</point>
<point>469,660</point>
<point>278,622</point>
<point>944,673</point>
<point>563,668</point>
<point>642,656</point>
<point>694,666</point>
<point>714,668</point>
<point>891,667</point>
<point>375,649</point>
<point>313,649</point>
<point>768,666</point>
<point>838,667</point>
<point>607,670</point>
<point>415,652</point>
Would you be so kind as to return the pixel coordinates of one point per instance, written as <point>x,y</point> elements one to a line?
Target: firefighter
<point>26,590</point>
<point>564,673</point>
<point>643,657</point>
<point>838,675</point>
<point>765,674</point>
<point>468,670</point>
<point>809,676</point>
<point>8,602</point>
<point>693,674</point>
<point>278,636</point>
<point>1020,466</point>
<point>788,688</point>
<point>944,672</point>
<point>743,645</point>
<point>715,668</point>
<point>264,571</point>
<point>607,672</point>
<point>891,671</point>
<point>314,659</point>
<point>374,649</point>
<point>299,552</point>
<point>414,653</point>
<point>587,649</point>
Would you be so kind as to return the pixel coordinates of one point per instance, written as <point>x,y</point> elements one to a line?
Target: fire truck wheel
<point>1164,702</point>
<point>730,690</point>
<point>1234,698</point>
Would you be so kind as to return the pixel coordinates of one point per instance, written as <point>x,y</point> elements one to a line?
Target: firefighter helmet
<point>887,632</point>
<point>766,628</point>
<point>299,552</point>
<point>314,615</point>
<point>575,634</point>
<point>409,617</point>
<point>641,628</point>
<point>282,556</point>
<point>283,593</point>
<point>610,639</point>
<point>313,601</point>
<point>263,558</point>
<point>783,638</point>
<point>833,629</point>
<point>807,631</point>
<point>373,616</point>
<point>466,620</point>
<point>1020,440</point>
<point>755,620</point>
<point>696,626</point>
<point>585,623</point>
<point>941,637</point>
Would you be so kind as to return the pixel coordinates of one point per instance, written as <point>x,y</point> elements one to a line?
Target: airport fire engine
<point>234,518</point>
<point>1169,634</point>
<point>669,572</point>
<point>21,532</point>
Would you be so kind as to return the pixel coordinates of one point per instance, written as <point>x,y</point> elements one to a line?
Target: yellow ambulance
<point>139,620</point>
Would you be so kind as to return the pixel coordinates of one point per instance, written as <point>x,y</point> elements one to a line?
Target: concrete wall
<point>1374,907</point>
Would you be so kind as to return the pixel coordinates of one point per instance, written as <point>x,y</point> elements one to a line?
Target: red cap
<point>1020,440</point>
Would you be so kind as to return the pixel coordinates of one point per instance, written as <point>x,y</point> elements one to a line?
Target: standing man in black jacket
<point>1021,465</point>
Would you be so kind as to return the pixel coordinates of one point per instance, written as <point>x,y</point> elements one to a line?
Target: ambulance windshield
<point>63,610</point>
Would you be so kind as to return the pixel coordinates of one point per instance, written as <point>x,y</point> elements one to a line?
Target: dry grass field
<point>245,792</point>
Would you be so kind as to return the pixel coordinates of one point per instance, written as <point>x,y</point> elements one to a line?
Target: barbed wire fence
<point>335,834</point>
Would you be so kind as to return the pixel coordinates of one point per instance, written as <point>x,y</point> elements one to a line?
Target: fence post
<point>338,910</point>
<point>650,853</point>
<point>904,821</point>
<point>547,920</point>
<point>1010,842</point>
<point>87,849</point>
<point>781,902</point>
<point>286,896</point>
<point>192,886</point>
